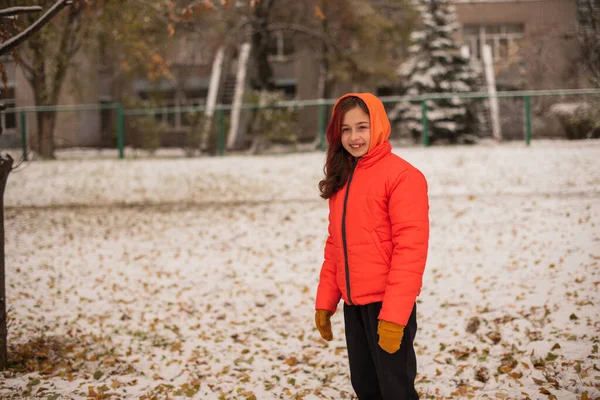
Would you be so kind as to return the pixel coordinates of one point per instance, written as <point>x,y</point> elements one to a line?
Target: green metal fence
<point>124,124</point>
<point>68,123</point>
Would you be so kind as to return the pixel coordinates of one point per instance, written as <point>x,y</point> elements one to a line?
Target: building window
<point>8,120</point>
<point>174,114</point>
<point>191,50</point>
<point>587,14</point>
<point>503,39</point>
<point>173,110</point>
<point>281,46</point>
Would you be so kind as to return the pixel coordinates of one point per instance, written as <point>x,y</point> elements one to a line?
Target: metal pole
<point>24,134</point>
<point>322,126</point>
<point>527,120</point>
<point>220,132</point>
<point>120,130</point>
<point>425,122</point>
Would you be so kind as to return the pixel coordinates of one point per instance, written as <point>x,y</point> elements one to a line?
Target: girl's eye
<point>344,130</point>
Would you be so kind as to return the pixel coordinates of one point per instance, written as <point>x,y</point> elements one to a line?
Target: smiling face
<point>356,132</point>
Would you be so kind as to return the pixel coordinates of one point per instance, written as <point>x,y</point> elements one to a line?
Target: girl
<point>376,250</point>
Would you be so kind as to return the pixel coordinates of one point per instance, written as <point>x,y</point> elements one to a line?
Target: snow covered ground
<point>166,278</point>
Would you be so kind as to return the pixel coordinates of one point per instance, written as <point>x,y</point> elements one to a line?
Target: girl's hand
<point>323,323</point>
<point>390,336</point>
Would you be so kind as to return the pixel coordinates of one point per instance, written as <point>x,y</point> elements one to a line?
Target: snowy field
<point>195,278</point>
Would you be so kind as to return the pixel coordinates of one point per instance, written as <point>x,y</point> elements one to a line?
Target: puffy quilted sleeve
<point>409,216</point>
<point>328,293</point>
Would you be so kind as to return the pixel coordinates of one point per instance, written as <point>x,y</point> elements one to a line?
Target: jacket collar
<point>375,155</point>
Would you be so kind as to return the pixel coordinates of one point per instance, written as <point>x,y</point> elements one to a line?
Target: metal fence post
<point>425,123</point>
<point>322,125</point>
<point>527,120</point>
<point>120,130</point>
<point>24,134</point>
<point>220,132</point>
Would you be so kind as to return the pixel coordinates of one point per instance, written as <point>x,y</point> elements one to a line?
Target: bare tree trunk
<point>261,38</point>
<point>588,17</point>
<point>211,100</point>
<point>240,85</point>
<point>45,64</point>
<point>5,168</point>
<point>6,162</point>
<point>46,122</point>
<point>259,142</point>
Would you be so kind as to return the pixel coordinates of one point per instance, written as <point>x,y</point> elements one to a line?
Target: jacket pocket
<point>385,254</point>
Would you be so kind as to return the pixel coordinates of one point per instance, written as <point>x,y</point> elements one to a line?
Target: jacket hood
<point>380,124</point>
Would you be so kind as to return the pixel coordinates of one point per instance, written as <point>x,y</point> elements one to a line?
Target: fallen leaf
<point>473,325</point>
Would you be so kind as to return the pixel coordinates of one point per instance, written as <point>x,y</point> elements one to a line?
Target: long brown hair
<point>338,161</point>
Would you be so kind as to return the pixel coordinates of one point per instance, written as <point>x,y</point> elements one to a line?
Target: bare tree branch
<point>8,12</point>
<point>159,12</point>
<point>67,49</point>
<point>305,30</point>
<point>27,67</point>
<point>212,4</point>
<point>36,26</point>
<point>341,54</point>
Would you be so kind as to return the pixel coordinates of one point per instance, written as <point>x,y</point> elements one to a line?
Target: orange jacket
<point>378,230</point>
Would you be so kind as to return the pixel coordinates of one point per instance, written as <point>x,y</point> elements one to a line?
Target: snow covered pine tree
<point>436,65</point>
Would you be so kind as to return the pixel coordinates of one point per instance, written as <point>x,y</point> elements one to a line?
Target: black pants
<point>376,374</point>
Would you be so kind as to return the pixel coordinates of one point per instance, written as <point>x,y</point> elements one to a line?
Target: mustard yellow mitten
<point>323,323</point>
<point>390,336</point>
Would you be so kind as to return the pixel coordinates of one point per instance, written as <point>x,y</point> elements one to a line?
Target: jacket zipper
<point>344,242</point>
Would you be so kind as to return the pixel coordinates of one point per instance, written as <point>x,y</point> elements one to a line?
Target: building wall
<point>532,13</point>
<point>10,134</point>
<point>547,57</point>
<point>78,90</point>
<point>307,74</point>
<point>24,98</point>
